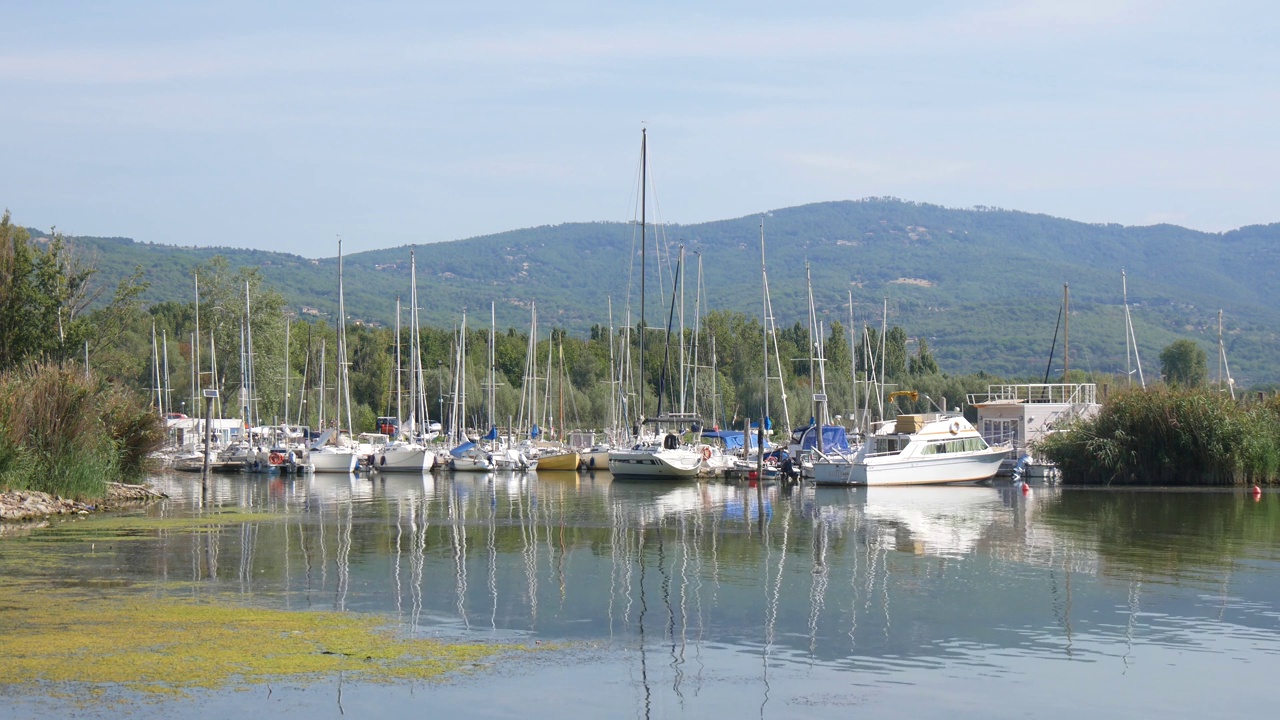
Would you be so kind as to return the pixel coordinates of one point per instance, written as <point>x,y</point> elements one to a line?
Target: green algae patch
<point>164,645</point>
<point>127,528</point>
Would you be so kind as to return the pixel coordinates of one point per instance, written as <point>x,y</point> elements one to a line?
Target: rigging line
<point>1054,346</point>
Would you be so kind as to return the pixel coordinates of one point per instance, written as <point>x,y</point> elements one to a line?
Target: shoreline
<point>23,508</point>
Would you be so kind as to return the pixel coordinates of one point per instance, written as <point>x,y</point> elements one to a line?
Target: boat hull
<point>333,462</point>
<point>559,461</point>
<point>595,459</point>
<point>470,464</point>
<point>648,464</point>
<point>406,460</point>
<point>956,468</point>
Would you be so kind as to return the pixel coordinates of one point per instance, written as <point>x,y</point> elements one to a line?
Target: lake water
<point>671,601</point>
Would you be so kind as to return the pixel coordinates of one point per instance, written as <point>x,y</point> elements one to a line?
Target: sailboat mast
<point>213,374</point>
<point>288,321</point>
<point>697,332</point>
<point>250,400</point>
<point>681,275</point>
<point>813,339</point>
<point>493,341</point>
<point>399,408</point>
<point>168,397</point>
<point>853,361</point>
<point>1131,337</point>
<point>764,314</point>
<point>302,391</point>
<point>195,348</point>
<point>884,331</point>
<point>155,371</point>
<point>1222,362</point>
<point>644,255</point>
<point>321,417</point>
<point>771,330</point>
<point>344,381</point>
<point>417,375</point>
<point>613,389</point>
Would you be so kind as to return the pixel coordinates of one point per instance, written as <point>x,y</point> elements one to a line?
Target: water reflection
<point>870,584</point>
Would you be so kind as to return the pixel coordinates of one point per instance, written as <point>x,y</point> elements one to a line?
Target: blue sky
<point>282,125</point>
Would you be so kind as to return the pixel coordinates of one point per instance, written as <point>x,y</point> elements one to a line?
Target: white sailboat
<point>334,452</point>
<point>649,458</point>
<point>404,453</point>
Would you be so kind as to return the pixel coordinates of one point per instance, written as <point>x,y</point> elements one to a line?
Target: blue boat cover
<point>834,438</point>
<point>462,449</point>
<point>732,439</point>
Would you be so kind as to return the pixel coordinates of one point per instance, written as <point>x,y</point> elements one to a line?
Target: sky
<point>282,126</point>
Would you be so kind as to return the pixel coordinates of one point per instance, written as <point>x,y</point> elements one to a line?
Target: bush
<point>1170,437</point>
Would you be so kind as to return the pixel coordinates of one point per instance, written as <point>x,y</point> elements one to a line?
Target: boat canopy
<point>834,438</point>
<point>463,449</point>
<point>732,439</point>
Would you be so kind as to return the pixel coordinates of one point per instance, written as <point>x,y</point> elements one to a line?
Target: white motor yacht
<point>652,461</point>
<point>923,449</point>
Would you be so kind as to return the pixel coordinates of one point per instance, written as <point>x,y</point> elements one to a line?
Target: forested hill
<point>983,285</point>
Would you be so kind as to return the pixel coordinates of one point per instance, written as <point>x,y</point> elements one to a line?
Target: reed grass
<point>1169,436</point>
<point>69,435</point>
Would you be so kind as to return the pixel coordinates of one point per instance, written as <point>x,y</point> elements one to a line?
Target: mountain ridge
<point>983,285</point>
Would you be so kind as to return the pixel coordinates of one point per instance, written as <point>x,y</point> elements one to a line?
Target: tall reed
<point>1168,436</point>
<point>69,435</point>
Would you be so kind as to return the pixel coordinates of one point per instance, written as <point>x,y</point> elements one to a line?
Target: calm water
<point>688,601</point>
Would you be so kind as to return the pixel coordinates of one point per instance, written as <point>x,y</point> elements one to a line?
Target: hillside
<point>983,285</point>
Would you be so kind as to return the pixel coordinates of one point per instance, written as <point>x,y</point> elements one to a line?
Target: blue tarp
<point>732,439</point>
<point>834,439</point>
<point>493,433</point>
<point>462,449</point>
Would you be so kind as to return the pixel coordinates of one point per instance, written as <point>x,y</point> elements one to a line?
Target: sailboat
<point>404,453</point>
<point>558,457</point>
<point>466,456</point>
<point>334,452</point>
<point>649,459</point>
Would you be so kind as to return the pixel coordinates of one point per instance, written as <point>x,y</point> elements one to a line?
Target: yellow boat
<point>559,461</point>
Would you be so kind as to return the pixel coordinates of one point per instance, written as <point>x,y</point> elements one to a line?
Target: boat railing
<point>1038,393</point>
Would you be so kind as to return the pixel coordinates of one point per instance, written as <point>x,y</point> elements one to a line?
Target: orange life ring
<point>276,458</point>
<point>955,427</point>
<point>706,452</point>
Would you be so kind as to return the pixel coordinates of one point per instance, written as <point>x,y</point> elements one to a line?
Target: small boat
<point>334,453</point>
<point>924,449</point>
<point>468,457</point>
<point>559,460</point>
<point>403,456</point>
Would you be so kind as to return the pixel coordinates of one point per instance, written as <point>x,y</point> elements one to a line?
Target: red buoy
<point>1026,489</point>
<point>1257,493</point>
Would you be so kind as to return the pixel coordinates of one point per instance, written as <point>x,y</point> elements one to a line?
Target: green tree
<point>1184,364</point>
<point>922,363</point>
<point>45,296</point>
